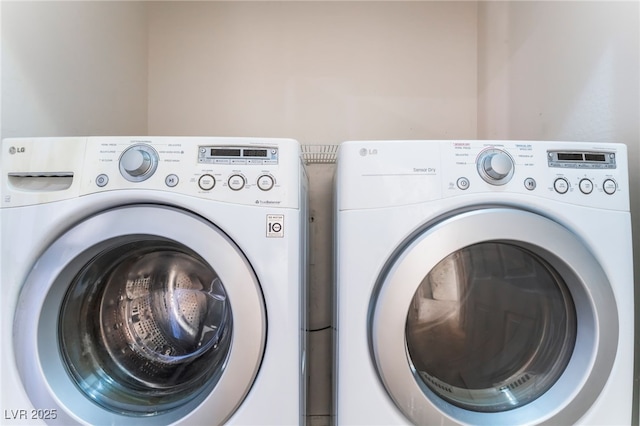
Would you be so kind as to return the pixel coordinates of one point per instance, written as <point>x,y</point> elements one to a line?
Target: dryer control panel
<point>395,173</point>
<point>250,171</point>
<point>586,174</point>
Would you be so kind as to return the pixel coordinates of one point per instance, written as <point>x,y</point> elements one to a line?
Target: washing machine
<point>483,282</point>
<point>153,281</point>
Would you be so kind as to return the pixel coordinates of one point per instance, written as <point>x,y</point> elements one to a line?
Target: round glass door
<point>493,316</point>
<point>140,315</point>
<point>150,322</point>
<point>491,327</point>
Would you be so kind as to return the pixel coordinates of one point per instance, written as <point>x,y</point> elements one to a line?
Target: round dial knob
<point>495,166</point>
<point>138,162</point>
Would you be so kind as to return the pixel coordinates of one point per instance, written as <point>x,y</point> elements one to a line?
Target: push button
<point>265,182</point>
<point>171,180</point>
<point>102,180</point>
<point>463,183</point>
<point>206,182</point>
<point>236,182</point>
<point>530,184</point>
<point>561,185</point>
<point>586,186</point>
<point>609,186</point>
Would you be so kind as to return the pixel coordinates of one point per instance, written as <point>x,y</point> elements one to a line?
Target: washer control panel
<point>251,171</point>
<point>260,172</point>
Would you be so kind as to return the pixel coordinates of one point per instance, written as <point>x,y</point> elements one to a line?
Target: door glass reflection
<point>145,327</point>
<point>491,327</point>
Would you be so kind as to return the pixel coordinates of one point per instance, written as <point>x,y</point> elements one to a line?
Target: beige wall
<point>73,68</point>
<point>558,70</point>
<point>321,72</point>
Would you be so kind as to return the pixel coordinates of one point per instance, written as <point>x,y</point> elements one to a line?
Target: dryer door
<point>494,316</point>
<point>142,314</point>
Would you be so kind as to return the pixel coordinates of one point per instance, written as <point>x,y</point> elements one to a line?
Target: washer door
<point>494,316</point>
<point>142,314</point>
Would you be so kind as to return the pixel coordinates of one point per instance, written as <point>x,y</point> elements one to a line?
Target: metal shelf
<point>319,154</point>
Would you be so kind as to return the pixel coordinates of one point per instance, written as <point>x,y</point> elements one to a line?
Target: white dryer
<point>153,280</point>
<point>483,282</point>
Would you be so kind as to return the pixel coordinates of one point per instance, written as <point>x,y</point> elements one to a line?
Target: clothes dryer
<point>483,282</point>
<point>153,280</point>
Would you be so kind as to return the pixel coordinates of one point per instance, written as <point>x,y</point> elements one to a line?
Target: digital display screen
<point>225,152</point>
<point>237,154</point>
<point>255,153</point>
<point>562,156</point>
<point>595,157</point>
<point>582,159</point>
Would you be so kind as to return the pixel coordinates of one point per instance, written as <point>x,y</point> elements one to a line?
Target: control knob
<point>495,166</point>
<point>138,162</point>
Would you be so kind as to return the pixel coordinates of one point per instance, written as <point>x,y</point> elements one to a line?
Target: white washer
<point>483,282</point>
<point>153,280</point>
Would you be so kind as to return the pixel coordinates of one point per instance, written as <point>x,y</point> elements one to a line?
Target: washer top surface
<point>377,174</point>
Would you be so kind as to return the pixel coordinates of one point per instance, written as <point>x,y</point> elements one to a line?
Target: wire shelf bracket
<point>319,154</point>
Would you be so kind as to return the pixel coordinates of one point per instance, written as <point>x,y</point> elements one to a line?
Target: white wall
<point>321,72</point>
<point>73,68</point>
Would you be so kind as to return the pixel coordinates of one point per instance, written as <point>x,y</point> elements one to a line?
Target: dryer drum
<point>144,327</point>
<point>491,327</point>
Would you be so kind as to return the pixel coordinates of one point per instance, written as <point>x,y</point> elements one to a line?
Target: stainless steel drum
<point>145,327</point>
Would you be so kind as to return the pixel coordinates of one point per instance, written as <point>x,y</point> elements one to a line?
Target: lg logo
<point>364,152</point>
<point>14,150</point>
